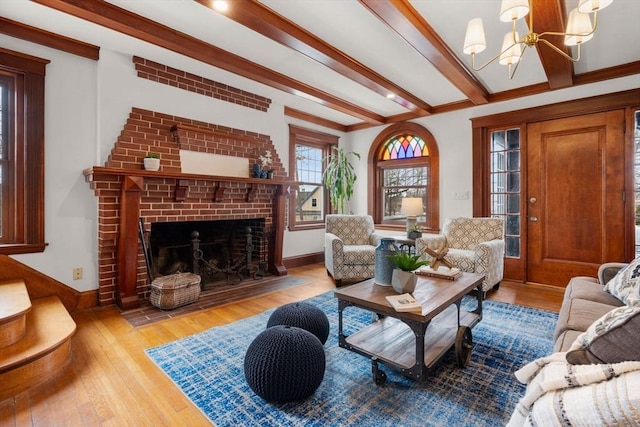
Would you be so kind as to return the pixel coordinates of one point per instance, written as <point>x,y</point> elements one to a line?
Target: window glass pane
<point>513,182</point>
<point>513,225</point>
<point>513,160</point>
<point>505,185</point>
<point>513,201</point>
<point>497,141</point>
<point>404,147</point>
<point>308,164</point>
<point>310,203</point>
<point>498,204</point>
<point>513,139</point>
<point>512,246</point>
<point>399,183</point>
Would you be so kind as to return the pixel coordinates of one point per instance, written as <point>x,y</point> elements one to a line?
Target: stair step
<point>14,306</point>
<point>44,350</point>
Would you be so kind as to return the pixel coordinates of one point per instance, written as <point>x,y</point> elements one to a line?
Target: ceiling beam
<point>402,18</point>
<point>45,38</point>
<point>131,24</point>
<point>548,15</point>
<point>265,21</point>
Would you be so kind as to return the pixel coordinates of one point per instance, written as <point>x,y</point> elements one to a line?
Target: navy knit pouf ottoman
<point>284,364</point>
<point>302,315</point>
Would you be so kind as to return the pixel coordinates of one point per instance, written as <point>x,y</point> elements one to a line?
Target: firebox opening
<point>221,252</point>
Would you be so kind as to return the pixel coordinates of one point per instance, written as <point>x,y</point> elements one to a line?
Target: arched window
<point>403,162</point>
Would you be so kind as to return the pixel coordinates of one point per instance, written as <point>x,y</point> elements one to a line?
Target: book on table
<point>404,302</point>
<point>441,272</point>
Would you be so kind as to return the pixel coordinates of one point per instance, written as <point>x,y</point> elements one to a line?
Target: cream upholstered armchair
<point>349,247</point>
<point>475,245</point>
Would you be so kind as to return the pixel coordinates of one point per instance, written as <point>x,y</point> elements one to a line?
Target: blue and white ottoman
<point>284,364</point>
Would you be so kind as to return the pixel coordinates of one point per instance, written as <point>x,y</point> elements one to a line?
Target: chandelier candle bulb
<point>579,29</point>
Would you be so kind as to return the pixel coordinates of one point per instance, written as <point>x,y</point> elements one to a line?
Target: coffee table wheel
<point>379,376</point>
<point>464,344</point>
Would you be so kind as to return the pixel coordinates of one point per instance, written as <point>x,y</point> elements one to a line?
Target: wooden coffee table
<point>410,342</point>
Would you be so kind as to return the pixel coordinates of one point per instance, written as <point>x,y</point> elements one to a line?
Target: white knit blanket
<point>561,394</point>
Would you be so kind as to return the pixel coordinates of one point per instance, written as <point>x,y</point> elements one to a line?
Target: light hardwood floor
<point>111,382</point>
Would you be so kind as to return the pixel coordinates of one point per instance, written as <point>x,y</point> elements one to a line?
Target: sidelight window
<point>505,179</point>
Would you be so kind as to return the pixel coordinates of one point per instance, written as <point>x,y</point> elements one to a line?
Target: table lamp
<point>412,208</point>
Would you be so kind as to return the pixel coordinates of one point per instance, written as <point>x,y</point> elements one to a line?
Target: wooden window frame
<point>375,176</point>
<point>25,133</point>
<point>312,138</point>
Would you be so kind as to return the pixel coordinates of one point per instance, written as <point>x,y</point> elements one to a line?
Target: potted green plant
<point>151,161</point>
<point>339,178</point>
<point>402,279</point>
<point>414,232</point>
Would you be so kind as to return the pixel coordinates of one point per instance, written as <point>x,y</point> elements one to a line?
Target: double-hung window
<point>309,202</point>
<point>405,165</point>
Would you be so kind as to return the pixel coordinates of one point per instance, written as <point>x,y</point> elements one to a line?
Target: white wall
<point>87,103</point>
<point>70,135</point>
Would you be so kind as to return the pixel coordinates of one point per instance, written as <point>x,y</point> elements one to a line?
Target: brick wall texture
<point>193,83</point>
<point>149,131</point>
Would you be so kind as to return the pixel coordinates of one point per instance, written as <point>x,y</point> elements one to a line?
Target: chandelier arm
<point>473,56</point>
<point>570,58</point>
<point>512,73</point>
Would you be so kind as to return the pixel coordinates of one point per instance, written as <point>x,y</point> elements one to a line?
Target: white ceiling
<point>350,27</point>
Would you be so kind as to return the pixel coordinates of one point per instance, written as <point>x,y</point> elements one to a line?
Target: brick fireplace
<point>126,193</point>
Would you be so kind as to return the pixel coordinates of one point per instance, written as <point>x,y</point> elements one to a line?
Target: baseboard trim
<point>302,260</point>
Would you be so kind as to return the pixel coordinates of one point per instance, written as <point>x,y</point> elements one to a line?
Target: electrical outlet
<point>77,273</point>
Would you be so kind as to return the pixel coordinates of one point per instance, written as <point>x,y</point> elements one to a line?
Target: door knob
<point>533,218</point>
<point>533,200</point>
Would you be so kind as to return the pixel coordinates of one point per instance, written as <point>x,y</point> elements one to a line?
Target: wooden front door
<point>574,196</point>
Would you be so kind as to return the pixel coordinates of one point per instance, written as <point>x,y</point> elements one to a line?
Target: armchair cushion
<point>476,245</point>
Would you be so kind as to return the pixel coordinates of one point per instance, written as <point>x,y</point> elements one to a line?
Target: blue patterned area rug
<point>208,368</point>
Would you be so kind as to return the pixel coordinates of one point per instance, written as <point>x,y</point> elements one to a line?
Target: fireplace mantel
<point>132,183</point>
<point>101,170</point>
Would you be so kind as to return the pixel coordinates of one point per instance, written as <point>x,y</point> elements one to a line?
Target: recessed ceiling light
<point>220,5</point>
<point>391,95</point>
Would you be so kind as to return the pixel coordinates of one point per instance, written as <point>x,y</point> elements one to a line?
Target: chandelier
<point>579,30</point>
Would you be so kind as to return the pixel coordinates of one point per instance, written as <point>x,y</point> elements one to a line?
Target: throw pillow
<point>610,339</point>
<point>626,282</point>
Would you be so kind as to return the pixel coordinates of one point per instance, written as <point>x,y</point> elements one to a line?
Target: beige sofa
<point>585,301</point>
<point>592,378</point>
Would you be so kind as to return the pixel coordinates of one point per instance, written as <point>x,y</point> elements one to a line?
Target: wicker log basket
<point>175,290</point>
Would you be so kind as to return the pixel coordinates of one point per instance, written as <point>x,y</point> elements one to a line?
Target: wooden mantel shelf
<point>95,170</point>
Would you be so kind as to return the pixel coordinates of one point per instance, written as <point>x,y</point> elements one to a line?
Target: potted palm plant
<point>339,178</point>
<point>403,279</point>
